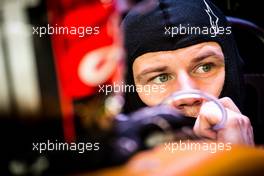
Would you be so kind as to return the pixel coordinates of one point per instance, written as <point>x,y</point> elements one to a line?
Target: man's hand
<point>237,129</point>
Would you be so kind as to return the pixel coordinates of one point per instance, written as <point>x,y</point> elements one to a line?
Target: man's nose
<point>185,81</point>
<point>187,102</point>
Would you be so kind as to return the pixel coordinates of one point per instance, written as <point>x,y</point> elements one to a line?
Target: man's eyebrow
<point>206,55</point>
<point>151,70</point>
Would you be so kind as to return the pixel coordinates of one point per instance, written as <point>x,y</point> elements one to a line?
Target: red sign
<point>86,48</point>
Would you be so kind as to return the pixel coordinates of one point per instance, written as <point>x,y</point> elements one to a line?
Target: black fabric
<point>144,32</point>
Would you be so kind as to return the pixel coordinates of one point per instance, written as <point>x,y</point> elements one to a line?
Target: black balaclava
<point>144,30</point>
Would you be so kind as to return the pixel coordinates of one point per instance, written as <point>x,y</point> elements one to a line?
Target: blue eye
<point>161,78</point>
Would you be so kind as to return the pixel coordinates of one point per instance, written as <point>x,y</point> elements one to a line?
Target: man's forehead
<point>205,48</point>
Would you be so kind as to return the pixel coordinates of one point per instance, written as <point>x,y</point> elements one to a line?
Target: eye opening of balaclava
<point>145,32</point>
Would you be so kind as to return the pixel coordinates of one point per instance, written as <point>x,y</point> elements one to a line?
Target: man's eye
<point>161,78</point>
<point>204,68</point>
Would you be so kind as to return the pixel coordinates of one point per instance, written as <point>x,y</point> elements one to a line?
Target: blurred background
<point>41,96</point>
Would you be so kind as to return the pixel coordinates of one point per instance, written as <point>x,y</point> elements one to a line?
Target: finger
<point>210,113</point>
<point>228,103</point>
<point>244,131</point>
<point>249,134</point>
<point>203,129</point>
<point>249,130</point>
